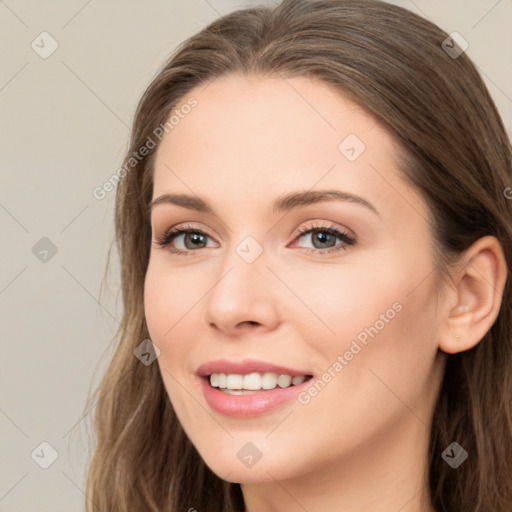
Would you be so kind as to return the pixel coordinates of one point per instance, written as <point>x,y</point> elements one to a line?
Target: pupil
<point>323,237</point>
<point>195,237</point>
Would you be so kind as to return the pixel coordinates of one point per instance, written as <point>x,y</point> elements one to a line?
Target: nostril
<point>249,322</point>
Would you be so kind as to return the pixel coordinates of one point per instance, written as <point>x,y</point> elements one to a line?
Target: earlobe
<point>474,303</point>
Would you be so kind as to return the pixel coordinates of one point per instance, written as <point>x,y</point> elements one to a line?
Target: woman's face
<point>351,301</point>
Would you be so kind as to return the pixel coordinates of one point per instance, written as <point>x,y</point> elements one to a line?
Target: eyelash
<point>166,238</point>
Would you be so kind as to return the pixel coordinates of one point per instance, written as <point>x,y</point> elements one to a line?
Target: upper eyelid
<point>311,225</point>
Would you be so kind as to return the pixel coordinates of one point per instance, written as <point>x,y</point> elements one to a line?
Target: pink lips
<point>254,404</point>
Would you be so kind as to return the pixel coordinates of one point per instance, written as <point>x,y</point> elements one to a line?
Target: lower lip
<point>246,406</point>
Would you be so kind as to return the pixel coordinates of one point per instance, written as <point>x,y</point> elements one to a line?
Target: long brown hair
<point>455,151</point>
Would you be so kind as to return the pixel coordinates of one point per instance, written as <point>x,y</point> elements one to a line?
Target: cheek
<point>377,369</point>
<point>353,299</point>
<point>392,353</point>
<point>168,297</point>
<point>381,321</point>
<point>167,305</point>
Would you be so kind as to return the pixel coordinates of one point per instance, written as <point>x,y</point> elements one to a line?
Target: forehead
<point>237,117</point>
<point>248,136</point>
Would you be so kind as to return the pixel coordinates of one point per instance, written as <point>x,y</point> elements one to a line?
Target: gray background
<point>64,127</point>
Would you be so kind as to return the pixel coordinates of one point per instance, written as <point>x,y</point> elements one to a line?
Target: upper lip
<point>245,367</point>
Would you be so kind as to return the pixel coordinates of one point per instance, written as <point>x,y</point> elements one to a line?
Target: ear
<point>474,301</point>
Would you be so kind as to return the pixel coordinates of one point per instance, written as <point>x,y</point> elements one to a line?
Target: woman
<point>314,236</point>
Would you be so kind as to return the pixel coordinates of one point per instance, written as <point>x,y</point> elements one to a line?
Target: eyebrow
<point>283,203</point>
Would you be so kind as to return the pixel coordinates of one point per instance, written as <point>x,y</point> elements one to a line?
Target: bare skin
<point>360,444</point>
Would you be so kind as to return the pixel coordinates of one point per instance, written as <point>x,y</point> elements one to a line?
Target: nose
<point>241,298</point>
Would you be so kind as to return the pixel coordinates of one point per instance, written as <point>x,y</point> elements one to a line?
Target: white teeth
<point>234,381</point>
<point>298,380</point>
<point>238,391</point>
<point>283,381</point>
<point>253,381</point>
<point>222,381</point>
<point>269,380</point>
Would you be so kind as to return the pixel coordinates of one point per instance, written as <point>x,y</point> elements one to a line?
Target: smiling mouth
<point>255,382</point>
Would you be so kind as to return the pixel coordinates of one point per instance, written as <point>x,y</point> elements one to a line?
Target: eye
<point>323,237</point>
<point>193,239</point>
